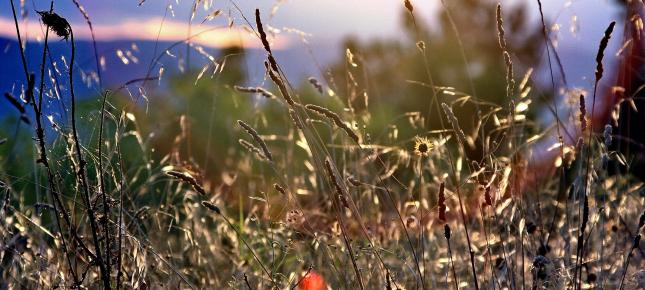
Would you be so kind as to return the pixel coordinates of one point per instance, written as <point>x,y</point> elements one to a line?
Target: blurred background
<point>326,27</point>
<point>168,59</point>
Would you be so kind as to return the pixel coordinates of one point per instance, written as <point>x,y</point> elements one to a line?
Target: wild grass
<point>318,199</point>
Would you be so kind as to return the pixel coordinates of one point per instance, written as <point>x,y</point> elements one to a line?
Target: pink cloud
<point>132,29</point>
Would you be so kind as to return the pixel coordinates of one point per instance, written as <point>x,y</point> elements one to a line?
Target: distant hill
<point>295,61</point>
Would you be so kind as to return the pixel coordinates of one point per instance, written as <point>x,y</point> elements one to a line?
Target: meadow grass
<point>316,200</point>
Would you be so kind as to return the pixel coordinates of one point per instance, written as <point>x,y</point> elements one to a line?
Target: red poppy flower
<point>312,281</point>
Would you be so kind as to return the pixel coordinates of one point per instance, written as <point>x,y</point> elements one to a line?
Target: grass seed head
<point>442,202</point>
<point>601,50</point>
<point>408,5</point>
<point>607,134</point>
<point>256,137</point>
<point>187,178</point>
<point>335,118</point>
<point>257,90</point>
<point>280,189</point>
<point>316,84</point>
<point>583,114</point>
<point>251,148</point>
<point>211,206</point>
<point>500,28</point>
<point>56,23</point>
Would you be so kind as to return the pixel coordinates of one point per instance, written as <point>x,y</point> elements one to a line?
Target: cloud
<point>149,29</point>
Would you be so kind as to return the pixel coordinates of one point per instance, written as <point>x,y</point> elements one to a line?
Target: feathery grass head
<point>452,119</point>
<point>256,137</point>
<point>335,118</point>
<point>251,148</point>
<point>257,90</point>
<point>277,79</point>
<point>187,178</point>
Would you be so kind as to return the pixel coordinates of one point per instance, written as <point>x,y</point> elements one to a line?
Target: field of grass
<point>332,183</point>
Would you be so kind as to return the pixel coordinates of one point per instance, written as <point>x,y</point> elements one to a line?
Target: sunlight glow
<point>171,30</point>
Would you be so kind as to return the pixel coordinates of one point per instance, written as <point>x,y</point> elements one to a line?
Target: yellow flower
<point>422,146</point>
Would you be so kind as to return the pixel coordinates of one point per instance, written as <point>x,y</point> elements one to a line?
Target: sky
<point>326,20</point>
<point>324,23</point>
